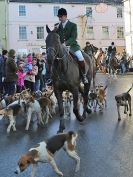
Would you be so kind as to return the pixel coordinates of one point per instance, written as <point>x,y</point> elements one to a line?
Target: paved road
<point>104,145</point>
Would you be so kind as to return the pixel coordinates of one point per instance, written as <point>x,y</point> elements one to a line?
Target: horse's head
<point>53,45</point>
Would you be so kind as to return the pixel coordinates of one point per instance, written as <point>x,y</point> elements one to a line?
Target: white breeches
<point>79,55</point>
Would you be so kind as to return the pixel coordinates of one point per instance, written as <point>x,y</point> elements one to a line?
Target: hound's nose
<point>16,172</point>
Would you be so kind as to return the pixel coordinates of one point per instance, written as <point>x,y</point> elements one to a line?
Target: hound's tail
<point>130,88</point>
<point>105,87</point>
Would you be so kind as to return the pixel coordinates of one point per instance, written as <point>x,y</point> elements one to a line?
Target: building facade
<point>128,16</point>
<point>3,24</point>
<point>99,24</point>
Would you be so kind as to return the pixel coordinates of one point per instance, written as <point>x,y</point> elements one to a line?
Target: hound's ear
<point>48,29</point>
<point>32,99</point>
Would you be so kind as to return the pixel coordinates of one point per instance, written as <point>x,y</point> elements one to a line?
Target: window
<point>119,12</point>
<point>40,32</point>
<point>90,32</point>
<point>89,11</point>
<point>120,32</point>
<point>22,33</point>
<point>56,8</point>
<point>105,32</point>
<point>22,11</point>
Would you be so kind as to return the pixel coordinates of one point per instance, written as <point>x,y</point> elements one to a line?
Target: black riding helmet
<point>62,12</point>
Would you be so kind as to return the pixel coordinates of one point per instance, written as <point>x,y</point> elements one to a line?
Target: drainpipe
<point>6,24</point>
<point>130,12</point>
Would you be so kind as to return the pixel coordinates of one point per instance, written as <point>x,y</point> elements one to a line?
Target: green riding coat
<point>68,35</point>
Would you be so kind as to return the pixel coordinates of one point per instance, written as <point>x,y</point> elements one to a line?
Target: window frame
<point>22,13</point>
<point>105,32</point>
<point>41,32</point>
<point>119,12</point>
<point>21,33</point>
<point>90,29</point>
<point>55,10</point>
<point>121,32</point>
<point>89,13</point>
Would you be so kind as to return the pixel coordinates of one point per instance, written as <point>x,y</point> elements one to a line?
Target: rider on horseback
<point>111,51</point>
<point>68,35</point>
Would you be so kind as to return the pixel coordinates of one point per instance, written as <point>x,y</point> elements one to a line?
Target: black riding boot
<point>82,69</point>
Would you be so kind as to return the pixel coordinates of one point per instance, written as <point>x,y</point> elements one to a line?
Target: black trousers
<point>10,88</point>
<point>29,85</point>
<point>1,84</point>
<point>20,88</point>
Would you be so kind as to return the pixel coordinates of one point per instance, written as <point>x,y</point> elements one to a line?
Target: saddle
<point>74,57</point>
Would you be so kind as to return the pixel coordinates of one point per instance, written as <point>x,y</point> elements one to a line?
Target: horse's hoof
<point>119,119</point>
<point>81,118</point>
<point>60,131</point>
<point>89,111</point>
<point>130,114</point>
<point>125,112</point>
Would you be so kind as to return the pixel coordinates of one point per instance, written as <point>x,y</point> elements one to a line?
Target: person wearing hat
<point>10,73</point>
<point>68,35</point>
<point>111,52</point>
<point>88,49</point>
<point>112,48</point>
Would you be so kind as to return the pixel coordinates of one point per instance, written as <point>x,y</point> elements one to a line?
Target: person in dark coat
<point>111,52</point>
<point>10,73</point>
<point>90,49</point>
<point>111,49</point>
<point>1,73</point>
<point>3,59</point>
<point>68,36</point>
<point>38,77</point>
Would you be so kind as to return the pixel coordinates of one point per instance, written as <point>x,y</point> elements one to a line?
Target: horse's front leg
<point>76,107</point>
<point>85,96</point>
<point>58,95</point>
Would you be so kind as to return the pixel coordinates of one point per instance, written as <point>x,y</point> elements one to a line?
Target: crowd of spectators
<point>21,72</point>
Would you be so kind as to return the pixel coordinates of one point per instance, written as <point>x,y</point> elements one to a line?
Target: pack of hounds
<point>44,106</point>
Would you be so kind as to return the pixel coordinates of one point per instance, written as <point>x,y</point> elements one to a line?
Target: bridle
<point>55,53</point>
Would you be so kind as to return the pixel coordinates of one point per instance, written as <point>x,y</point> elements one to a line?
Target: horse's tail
<point>105,87</point>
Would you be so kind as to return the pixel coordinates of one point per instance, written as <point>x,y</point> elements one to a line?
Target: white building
<point>128,16</point>
<point>28,18</point>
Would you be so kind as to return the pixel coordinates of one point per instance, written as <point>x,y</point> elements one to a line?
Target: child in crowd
<point>28,64</point>
<point>29,80</point>
<point>21,75</point>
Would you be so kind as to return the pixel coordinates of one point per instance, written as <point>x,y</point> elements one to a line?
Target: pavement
<point>105,145</point>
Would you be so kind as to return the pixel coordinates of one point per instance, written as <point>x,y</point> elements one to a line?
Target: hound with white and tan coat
<point>44,152</point>
<point>42,107</point>
<point>11,112</point>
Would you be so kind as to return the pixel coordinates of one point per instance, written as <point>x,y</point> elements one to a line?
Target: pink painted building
<point>99,24</point>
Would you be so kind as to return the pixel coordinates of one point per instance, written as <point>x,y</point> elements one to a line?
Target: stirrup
<point>49,81</point>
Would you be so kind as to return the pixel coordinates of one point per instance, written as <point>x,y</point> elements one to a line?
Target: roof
<point>69,1</point>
